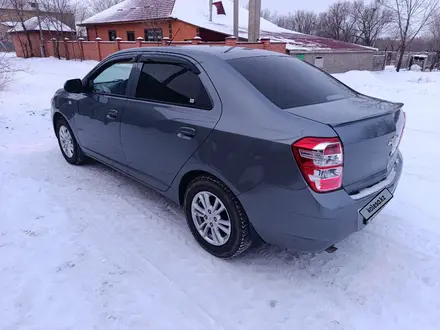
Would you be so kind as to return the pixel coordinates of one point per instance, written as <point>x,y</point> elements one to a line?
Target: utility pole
<point>42,48</point>
<point>236,8</point>
<point>257,19</point>
<point>210,10</point>
<point>254,20</point>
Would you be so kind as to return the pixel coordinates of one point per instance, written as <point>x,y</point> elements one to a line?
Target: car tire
<point>211,230</point>
<point>70,149</point>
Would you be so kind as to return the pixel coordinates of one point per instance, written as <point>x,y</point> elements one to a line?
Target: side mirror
<point>74,86</point>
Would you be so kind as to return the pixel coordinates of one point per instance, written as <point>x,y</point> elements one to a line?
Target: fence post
<point>98,48</point>
<point>196,40</point>
<point>118,43</point>
<point>66,48</point>
<point>139,41</point>
<point>54,47</point>
<point>165,41</point>
<point>231,41</point>
<point>80,46</point>
<point>266,42</point>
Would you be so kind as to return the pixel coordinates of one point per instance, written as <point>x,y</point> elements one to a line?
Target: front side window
<point>172,83</point>
<point>154,34</point>
<point>288,82</point>
<point>113,80</point>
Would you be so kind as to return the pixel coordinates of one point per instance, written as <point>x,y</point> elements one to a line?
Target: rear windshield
<point>288,82</point>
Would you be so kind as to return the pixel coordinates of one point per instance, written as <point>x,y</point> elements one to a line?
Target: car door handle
<point>112,114</point>
<point>186,133</point>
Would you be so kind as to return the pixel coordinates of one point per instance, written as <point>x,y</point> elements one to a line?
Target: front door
<point>174,109</point>
<point>100,111</point>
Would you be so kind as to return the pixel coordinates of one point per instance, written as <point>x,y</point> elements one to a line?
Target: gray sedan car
<point>255,145</point>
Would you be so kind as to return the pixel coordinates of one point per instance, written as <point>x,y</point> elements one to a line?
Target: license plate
<point>375,205</point>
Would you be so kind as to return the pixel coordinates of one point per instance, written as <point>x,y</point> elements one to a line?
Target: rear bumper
<point>306,221</point>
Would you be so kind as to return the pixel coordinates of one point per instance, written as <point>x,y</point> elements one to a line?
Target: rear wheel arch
<point>188,177</point>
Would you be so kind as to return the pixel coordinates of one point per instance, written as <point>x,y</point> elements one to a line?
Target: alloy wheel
<point>66,141</point>
<point>211,218</point>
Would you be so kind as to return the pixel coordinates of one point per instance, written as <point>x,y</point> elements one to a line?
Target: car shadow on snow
<point>264,258</point>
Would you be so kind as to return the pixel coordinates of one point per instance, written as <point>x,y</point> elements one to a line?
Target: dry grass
<point>7,70</point>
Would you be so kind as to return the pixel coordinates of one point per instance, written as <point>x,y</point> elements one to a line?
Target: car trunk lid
<point>369,129</point>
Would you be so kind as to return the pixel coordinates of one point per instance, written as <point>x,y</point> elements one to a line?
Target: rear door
<point>173,109</point>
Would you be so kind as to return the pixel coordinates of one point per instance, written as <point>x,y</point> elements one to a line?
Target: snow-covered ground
<point>86,248</point>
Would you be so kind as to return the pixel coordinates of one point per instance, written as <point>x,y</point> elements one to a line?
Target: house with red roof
<point>182,20</point>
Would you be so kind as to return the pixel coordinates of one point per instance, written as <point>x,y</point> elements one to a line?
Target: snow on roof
<point>9,23</point>
<point>47,24</point>
<point>133,10</point>
<point>306,42</point>
<point>196,12</point>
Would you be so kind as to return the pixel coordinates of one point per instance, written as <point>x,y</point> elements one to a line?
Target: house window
<point>111,35</point>
<point>130,36</point>
<point>153,34</point>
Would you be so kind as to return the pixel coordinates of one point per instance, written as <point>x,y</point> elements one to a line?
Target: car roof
<point>199,51</point>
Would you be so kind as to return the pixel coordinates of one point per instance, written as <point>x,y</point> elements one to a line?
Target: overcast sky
<point>285,6</point>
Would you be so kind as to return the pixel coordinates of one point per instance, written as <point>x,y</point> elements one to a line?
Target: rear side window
<point>288,82</point>
<point>172,83</point>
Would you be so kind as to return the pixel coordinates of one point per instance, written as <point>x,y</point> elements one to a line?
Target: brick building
<point>13,13</point>
<point>181,20</point>
<point>27,43</point>
<point>10,12</point>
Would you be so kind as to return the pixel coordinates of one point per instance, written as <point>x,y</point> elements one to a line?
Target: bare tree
<point>338,22</point>
<point>410,17</point>
<point>434,30</point>
<point>284,21</point>
<point>266,14</point>
<point>300,21</point>
<point>19,14</point>
<point>7,70</point>
<point>96,6</point>
<point>371,20</point>
<point>57,13</point>
<point>82,12</point>
<point>304,21</point>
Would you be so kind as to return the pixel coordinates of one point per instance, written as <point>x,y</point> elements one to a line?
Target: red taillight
<point>321,162</point>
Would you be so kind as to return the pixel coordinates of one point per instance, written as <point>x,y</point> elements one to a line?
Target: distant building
<point>11,17</point>
<point>5,38</point>
<point>182,20</point>
<point>51,28</point>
